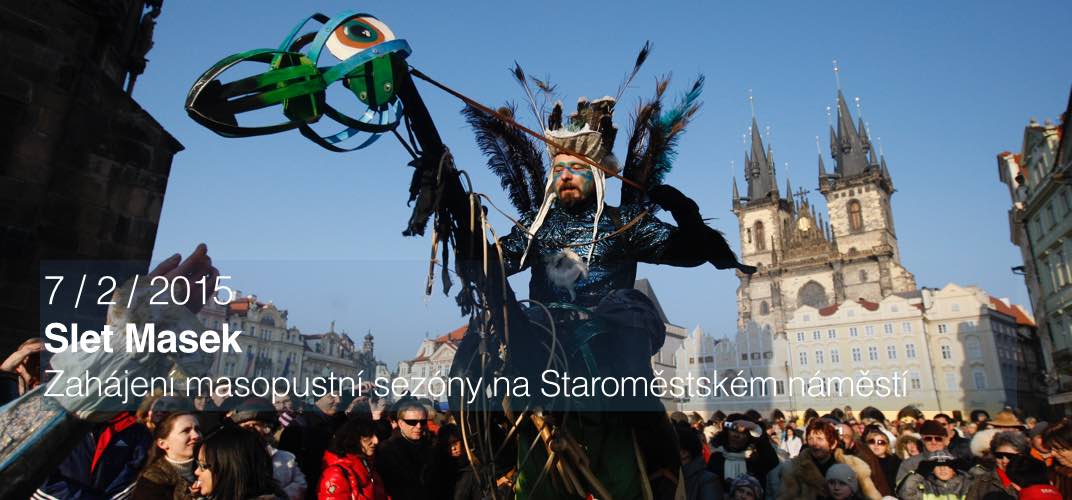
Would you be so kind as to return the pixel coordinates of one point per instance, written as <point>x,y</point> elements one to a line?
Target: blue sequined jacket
<point>614,261</point>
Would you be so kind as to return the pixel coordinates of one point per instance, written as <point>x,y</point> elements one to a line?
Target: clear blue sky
<point>946,85</point>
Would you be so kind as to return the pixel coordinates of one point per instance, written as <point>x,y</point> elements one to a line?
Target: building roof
<point>833,308</point>
<point>455,335</point>
<point>1014,311</point>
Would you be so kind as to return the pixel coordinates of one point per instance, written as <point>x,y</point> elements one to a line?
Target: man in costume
<point>583,255</point>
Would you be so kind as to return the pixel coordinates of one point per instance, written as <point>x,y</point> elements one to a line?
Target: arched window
<point>812,294</point>
<point>764,309</point>
<point>856,216</point>
<point>761,243</point>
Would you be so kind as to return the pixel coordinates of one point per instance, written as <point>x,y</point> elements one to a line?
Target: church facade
<point>831,303</point>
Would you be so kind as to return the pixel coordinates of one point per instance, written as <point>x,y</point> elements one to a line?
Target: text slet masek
<point>60,337</point>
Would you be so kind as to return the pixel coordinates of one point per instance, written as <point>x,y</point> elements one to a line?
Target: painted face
<point>203,471</point>
<point>573,180</point>
<point>184,436</point>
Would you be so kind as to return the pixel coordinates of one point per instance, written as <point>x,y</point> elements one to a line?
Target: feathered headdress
<point>590,130</point>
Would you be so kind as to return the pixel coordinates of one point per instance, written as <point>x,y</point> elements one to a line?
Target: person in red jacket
<point>348,472</point>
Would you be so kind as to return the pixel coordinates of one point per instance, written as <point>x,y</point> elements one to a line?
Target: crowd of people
<point>232,448</point>
<point>841,455</point>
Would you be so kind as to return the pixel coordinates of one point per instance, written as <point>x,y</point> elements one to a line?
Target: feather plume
<point>652,144</point>
<point>512,156</point>
<point>519,75</point>
<point>641,57</point>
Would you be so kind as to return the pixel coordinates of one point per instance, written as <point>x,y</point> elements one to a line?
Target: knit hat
<point>747,482</point>
<point>844,474</point>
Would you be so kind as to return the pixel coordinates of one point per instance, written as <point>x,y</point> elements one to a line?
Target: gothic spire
<point>736,194</point>
<point>759,171</point>
<point>864,138</point>
<point>850,155</point>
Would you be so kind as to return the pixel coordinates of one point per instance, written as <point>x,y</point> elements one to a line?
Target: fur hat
<point>980,442</point>
<point>844,474</point>
<point>932,428</point>
<point>256,409</point>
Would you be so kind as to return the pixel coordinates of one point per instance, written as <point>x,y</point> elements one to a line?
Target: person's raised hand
<point>196,266</point>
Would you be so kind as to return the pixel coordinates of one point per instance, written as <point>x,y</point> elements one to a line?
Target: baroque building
<point>1040,223</point>
<point>272,348</point>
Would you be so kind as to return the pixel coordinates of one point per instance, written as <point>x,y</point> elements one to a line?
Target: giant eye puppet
<point>368,51</point>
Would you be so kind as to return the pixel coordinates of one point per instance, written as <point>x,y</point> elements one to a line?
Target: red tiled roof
<point>870,306</point>
<point>828,310</point>
<point>454,336</point>
<point>1014,311</point>
<point>831,309</point>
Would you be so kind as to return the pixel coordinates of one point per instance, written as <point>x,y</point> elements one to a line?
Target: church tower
<point>801,259</point>
<point>858,194</point>
<point>763,216</point>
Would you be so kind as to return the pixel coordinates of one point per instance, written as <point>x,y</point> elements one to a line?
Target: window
<point>910,351</point>
<point>943,328</point>
<point>803,358</point>
<point>800,336</point>
<point>1050,214</point>
<point>253,330</point>
<point>872,353</point>
<point>856,216</point>
<point>955,307</point>
<point>854,332</point>
<point>779,387</point>
<point>816,335</point>
<point>761,242</point>
<point>856,354</point>
<point>744,356</point>
<point>980,379</point>
<point>951,381</point>
<point>869,330</point>
<point>974,348</point>
<point>764,308</point>
<point>863,276</point>
<point>906,327</point>
<point>831,334</point>
<point>891,352</point>
<point>888,328</point>
<point>835,356</point>
<point>947,352</point>
<point>818,357</point>
<point>913,380</point>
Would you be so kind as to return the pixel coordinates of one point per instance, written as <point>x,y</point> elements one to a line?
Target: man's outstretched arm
<point>692,242</point>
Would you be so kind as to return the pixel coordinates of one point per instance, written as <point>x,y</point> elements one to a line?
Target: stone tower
<point>802,259</point>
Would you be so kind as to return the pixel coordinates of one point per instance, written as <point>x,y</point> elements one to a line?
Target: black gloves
<point>685,211</point>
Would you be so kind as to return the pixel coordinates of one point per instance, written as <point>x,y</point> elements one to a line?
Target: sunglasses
<point>1006,455</point>
<point>933,439</point>
<point>878,442</point>
<point>413,422</point>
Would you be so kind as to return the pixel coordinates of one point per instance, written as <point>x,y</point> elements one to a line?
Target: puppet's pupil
<point>360,32</point>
